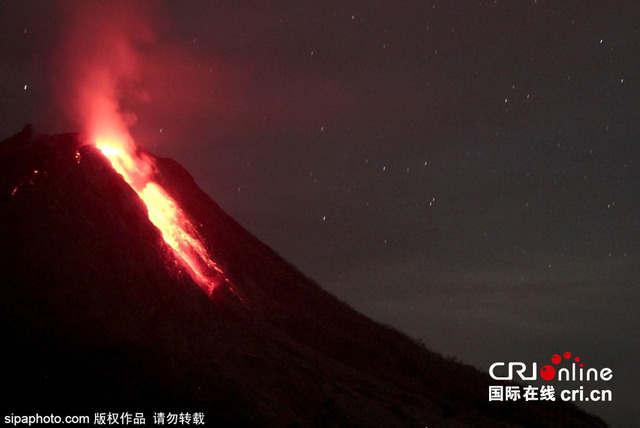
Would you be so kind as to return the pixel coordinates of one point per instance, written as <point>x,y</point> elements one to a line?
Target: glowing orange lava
<point>109,54</point>
<point>176,229</point>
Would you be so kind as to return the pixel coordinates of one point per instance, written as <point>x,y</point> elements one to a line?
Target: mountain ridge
<point>99,315</point>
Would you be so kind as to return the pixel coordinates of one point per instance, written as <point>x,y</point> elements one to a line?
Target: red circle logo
<point>547,372</point>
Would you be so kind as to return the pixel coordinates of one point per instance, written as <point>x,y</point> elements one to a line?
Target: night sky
<point>466,172</point>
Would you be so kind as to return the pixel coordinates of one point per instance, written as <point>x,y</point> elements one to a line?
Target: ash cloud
<point>101,66</point>
<point>120,65</point>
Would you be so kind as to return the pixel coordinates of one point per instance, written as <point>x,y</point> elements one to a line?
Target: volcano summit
<point>99,315</point>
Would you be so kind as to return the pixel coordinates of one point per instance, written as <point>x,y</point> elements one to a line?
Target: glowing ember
<point>177,231</point>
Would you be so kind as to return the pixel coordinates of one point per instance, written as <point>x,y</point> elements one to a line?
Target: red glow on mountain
<point>106,126</point>
<point>102,78</point>
<point>176,228</point>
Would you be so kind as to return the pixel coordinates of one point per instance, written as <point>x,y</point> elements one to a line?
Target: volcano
<point>98,315</point>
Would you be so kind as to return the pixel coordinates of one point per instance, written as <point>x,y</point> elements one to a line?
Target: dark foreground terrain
<point>96,318</point>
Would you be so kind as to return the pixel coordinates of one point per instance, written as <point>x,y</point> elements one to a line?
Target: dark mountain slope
<point>97,318</point>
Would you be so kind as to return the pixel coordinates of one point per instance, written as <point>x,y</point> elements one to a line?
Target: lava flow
<point>105,73</point>
<point>176,229</point>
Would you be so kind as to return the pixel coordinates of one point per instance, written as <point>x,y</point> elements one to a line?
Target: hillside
<point>96,317</point>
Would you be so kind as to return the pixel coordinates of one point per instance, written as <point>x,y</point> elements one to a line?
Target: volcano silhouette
<point>97,317</point>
